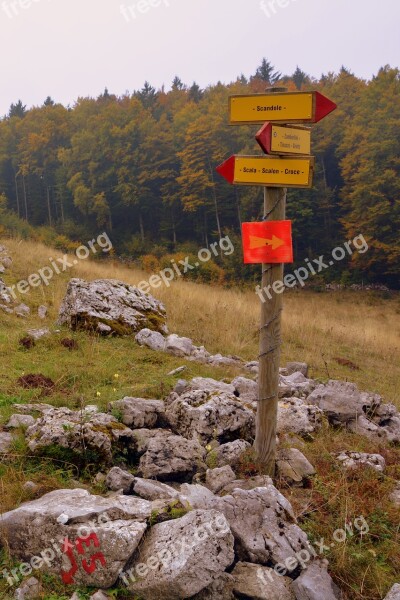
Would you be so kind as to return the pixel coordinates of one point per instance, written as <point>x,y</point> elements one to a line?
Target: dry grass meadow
<point>363,328</point>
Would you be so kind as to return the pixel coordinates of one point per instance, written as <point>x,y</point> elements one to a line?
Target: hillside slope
<point>318,328</point>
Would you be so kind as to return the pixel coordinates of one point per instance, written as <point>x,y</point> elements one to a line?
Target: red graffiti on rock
<point>89,565</point>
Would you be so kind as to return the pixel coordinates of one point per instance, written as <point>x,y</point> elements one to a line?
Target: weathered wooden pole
<point>270,344</point>
<point>270,340</point>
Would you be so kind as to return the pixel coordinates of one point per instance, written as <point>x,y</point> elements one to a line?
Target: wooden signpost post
<point>269,242</point>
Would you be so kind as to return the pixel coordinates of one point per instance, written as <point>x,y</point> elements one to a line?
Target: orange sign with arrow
<point>267,242</point>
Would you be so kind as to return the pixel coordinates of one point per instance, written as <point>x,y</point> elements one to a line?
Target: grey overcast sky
<point>72,48</point>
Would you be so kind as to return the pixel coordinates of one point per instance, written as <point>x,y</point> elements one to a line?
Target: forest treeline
<point>142,167</point>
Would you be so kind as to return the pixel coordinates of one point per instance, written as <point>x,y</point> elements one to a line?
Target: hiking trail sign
<point>287,107</point>
<point>281,139</point>
<point>267,242</point>
<point>288,164</point>
<point>269,171</point>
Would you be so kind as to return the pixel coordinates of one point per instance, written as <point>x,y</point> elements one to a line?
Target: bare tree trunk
<point>174,239</point>
<point>205,229</point>
<point>48,205</point>
<point>215,202</point>
<point>25,199</point>
<point>238,207</point>
<point>141,225</point>
<point>16,192</point>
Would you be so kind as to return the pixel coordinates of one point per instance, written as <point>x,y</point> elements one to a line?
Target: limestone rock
<point>153,490</point>
<point>172,458</point>
<point>294,416</point>
<point>115,526</point>
<point>117,479</point>
<point>16,421</point>
<point>260,583</point>
<point>30,487</point>
<point>139,413</point>
<point>22,310</point>
<point>227,454</point>
<point>195,495</point>
<point>38,334</point>
<point>217,360</point>
<point>295,384</point>
<point>143,437</point>
<point>315,583</point>
<point>247,389</point>
<point>394,593</point>
<point>100,595</point>
<point>113,303</point>
<point>297,367</point>
<point>152,339</point>
<point>247,484</point>
<point>218,478</point>
<point>342,402</point>
<point>263,524</point>
<point>219,589</point>
<point>207,384</point>
<point>293,466</point>
<point>6,262</point>
<point>395,495</point>
<point>26,409</point>
<point>99,434</point>
<point>30,589</point>
<point>210,415</point>
<point>5,442</point>
<point>42,311</point>
<point>352,460</point>
<point>179,346</point>
<point>180,558</point>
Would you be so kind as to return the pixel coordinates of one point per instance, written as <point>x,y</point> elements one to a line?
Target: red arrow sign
<point>267,242</point>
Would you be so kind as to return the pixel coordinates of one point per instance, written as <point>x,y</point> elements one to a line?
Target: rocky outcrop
<point>184,347</point>
<point>71,528</point>
<point>172,458</point>
<point>207,415</point>
<point>354,460</point>
<point>180,558</point>
<point>138,413</point>
<point>263,524</point>
<point>110,306</point>
<point>91,437</point>
<point>360,412</point>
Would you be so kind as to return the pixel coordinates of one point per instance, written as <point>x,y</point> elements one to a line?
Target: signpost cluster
<point>285,140</point>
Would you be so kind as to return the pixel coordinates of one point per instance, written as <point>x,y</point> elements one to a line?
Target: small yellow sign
<point>290,140</point>
<point>258,108</point>
<point>274,172</point>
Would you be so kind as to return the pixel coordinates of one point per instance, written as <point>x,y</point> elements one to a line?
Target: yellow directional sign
<point>291,140</point>
<point>278,139</point>
<point>295,107</point>
<point>269,171</point>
